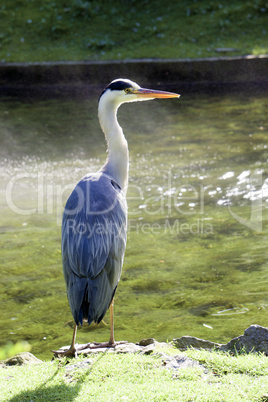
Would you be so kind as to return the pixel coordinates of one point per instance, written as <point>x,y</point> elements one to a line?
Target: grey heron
<point>94,224</point>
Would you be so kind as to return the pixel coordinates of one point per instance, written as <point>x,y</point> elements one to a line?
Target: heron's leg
<point>72,350</point>
<point>111,341</point>
<point>73,338</point>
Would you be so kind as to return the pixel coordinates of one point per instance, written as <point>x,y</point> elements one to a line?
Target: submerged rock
<point>186,342</point>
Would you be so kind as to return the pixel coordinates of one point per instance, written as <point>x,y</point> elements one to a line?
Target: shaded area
<point>83,78</point>
<point>45,391</point>
<point>61,392</point>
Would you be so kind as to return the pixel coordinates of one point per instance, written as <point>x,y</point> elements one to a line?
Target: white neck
<point>117,161</point>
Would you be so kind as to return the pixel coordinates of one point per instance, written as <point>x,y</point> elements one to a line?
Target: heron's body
<point>94,225</point>
<point>93,245</point>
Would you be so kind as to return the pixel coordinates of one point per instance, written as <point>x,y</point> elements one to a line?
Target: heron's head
<point>123,90</point>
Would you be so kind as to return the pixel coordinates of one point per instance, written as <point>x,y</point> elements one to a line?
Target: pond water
<point>196,257</point>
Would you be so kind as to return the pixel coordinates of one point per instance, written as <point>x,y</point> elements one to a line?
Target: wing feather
<point>94,231</point>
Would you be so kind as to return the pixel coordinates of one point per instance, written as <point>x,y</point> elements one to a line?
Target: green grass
<point>135,377</point>
<point>41,30</point>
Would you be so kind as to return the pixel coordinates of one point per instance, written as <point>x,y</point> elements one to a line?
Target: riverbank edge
<point>254,339</point>
<point>238,71</point>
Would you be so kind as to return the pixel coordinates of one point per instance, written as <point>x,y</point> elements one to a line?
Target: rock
<point>179,362</point>
<point>147,341</point>
<point>21,359</point>
<point>79,365</point>
<point>147,350</point>
<point>255,339</point>
<point>145,346</point>
<point>186,342</point>
<point>127,348</point>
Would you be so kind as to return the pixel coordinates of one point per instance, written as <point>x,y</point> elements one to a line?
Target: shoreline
<point>220,72</point>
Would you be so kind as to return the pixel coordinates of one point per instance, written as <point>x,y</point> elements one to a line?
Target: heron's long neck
<point>117,161</point>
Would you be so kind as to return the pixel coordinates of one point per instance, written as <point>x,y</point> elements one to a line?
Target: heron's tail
<point>89,299</point>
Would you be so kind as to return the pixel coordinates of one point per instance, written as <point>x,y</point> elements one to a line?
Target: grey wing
<point>93,245</point>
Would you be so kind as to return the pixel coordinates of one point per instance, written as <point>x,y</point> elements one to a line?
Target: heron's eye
<point>127,90</point>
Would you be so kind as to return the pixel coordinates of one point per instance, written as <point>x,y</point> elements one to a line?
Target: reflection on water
<point>196,259</point>
<point>231,311</point>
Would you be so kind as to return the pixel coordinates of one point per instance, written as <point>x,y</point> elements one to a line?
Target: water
<point>196,259</point>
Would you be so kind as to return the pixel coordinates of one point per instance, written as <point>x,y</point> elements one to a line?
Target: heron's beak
<point>152,94</point>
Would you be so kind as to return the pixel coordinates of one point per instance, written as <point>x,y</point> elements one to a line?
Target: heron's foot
<point>71,352</point>
<point>84,348</point>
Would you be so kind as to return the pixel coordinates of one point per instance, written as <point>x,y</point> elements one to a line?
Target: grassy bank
<point>36,30</point>
<point>135,377</point>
